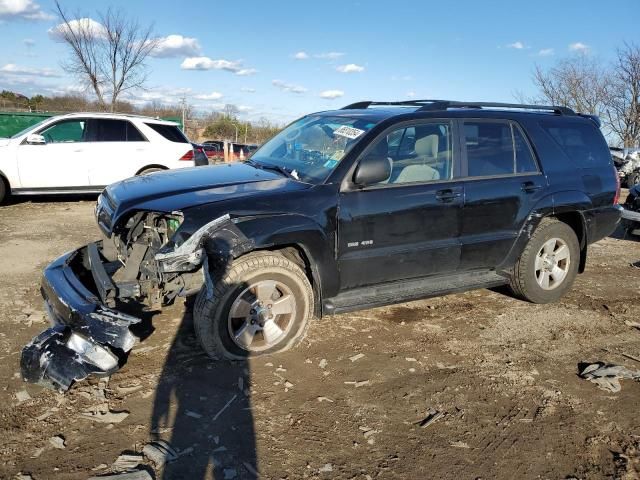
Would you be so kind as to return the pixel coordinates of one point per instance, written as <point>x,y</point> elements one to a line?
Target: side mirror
<point>372,169</point>
<point>35,139</point>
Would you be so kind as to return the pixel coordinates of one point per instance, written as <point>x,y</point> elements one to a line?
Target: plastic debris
<point>22,396</point>
<point>134,475</point>
<point>126,462</point>
<point>159,452</point>
<point>323,363</point>
<point>607,376</point>
<point>432,417</point>
<point>327,467</point>
<point>357,357</point>
<point>58,441</point>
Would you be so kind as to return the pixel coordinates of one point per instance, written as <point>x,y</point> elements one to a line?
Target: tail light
<point>616,198</point>
<point>187,156</point>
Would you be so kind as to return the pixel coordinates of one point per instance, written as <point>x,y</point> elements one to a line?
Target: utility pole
<point>184,110</point>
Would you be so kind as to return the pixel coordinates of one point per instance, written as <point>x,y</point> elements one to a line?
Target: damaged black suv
<point>373,204</point>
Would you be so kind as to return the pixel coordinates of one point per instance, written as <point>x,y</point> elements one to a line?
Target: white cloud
<point>13,69</point>
<point>331,94</point>
<point>89,25</point>
<point>546,52</point>
<point>22,9</point>
<point>176,46</point>
<point>288,87</point>
<point>300,55</point>
<point>579,47</point>
<point>244,108</point>
<point>248,90</point>
<point>209,96</point>
<point>206,63</point>
<point>350,68</point>
<point>244,72</point>
<point>516,45</point>
<point>29,42</point>
<point>329,55</point>
<point>411,94</point>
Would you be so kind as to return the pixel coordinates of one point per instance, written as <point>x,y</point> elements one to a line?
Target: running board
<point>408,290</point>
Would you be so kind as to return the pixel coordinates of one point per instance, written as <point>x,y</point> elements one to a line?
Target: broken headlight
<point>92,353</point>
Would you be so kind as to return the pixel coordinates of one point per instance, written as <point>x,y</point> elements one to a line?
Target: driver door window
<point>418,154</point>
<point>66,131</point>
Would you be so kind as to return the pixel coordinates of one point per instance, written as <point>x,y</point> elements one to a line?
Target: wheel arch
<point>153,165</point>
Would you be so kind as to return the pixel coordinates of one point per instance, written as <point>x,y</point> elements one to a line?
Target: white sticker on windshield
<point>349,132</point>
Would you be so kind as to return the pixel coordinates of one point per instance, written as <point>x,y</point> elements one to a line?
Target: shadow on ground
<point>202,407</point>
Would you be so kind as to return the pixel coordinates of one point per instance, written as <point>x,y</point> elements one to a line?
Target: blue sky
<point>243,53</point>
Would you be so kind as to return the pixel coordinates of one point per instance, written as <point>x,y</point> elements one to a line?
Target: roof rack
<point>436,105</point>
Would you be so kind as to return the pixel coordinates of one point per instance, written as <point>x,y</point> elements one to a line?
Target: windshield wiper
<point>276,168</point>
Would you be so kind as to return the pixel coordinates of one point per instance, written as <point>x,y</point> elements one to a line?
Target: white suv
<point>83,152</point>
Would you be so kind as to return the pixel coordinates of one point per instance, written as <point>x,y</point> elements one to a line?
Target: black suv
<point>374,204</point>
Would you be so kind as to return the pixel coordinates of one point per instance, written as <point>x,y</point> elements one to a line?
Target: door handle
<point>530,187</point>
<point>447,195</point>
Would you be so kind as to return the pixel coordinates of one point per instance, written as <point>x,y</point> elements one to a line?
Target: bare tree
<point>109,55</point>
<point>579,82</point>
<point>623,112</point>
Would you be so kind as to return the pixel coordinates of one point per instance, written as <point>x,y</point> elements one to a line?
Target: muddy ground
<point>501,371</point>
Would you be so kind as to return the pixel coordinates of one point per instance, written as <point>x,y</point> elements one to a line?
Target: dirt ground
<point>501,372</point>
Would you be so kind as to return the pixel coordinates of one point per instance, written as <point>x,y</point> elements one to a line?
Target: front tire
<point>261,305</point>
<point>3,190</point>
<point>548,264</point>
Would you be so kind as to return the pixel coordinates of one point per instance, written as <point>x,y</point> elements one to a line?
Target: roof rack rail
<point>403,103</point>
<point>435,105</point>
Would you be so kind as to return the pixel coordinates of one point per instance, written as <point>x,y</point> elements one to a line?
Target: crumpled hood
<point>189,187</point>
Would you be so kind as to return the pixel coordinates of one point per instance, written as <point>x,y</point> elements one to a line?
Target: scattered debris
<point>410,359</point>
<point>37,452</point>
<point>288,384</point>
<point>325,399</point>
<point>159,452</point>
<point>224,408</point>
<point>607,376</point>
<point>630,357</point>
<point>327,467</point>
<point>23,476</point>
<point>133,475</point>
<point>361,383</point>
<point>58,441</point>
<point>432,417</point>
<point>22,396</point>
<point>102,466</point>
<point>229,473</point>
<point>323,363</point>
<point>192,414</point>
<point>459,445</point>
<point>126,462</point>
<point>357,357</point>
<point>105,417</point>
<point>250,469</point>
<point>629,323</point>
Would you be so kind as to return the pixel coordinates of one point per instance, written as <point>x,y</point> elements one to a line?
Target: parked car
<point>343,210</point>
<point>215,150</point>
<point>627,163</point>
<point>83,152</point>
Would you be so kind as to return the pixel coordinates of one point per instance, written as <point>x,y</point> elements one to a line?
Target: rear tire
<point>548,264</point>
<point>240,319</point>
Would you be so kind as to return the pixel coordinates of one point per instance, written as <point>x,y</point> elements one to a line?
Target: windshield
<point>310,148</point>
<point>29,128</point>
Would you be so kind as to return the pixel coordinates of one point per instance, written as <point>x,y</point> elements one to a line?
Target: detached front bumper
<point>86,336</point>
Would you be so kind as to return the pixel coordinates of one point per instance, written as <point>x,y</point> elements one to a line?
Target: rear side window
<point>582,143</point>
<point>107,130</point>
<point>497,148</point>
<point>170,132</point>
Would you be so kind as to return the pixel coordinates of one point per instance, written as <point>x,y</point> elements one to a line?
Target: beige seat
<point>427,153</point>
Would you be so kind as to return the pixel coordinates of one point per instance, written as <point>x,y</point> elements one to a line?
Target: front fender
<point>316,241</point>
